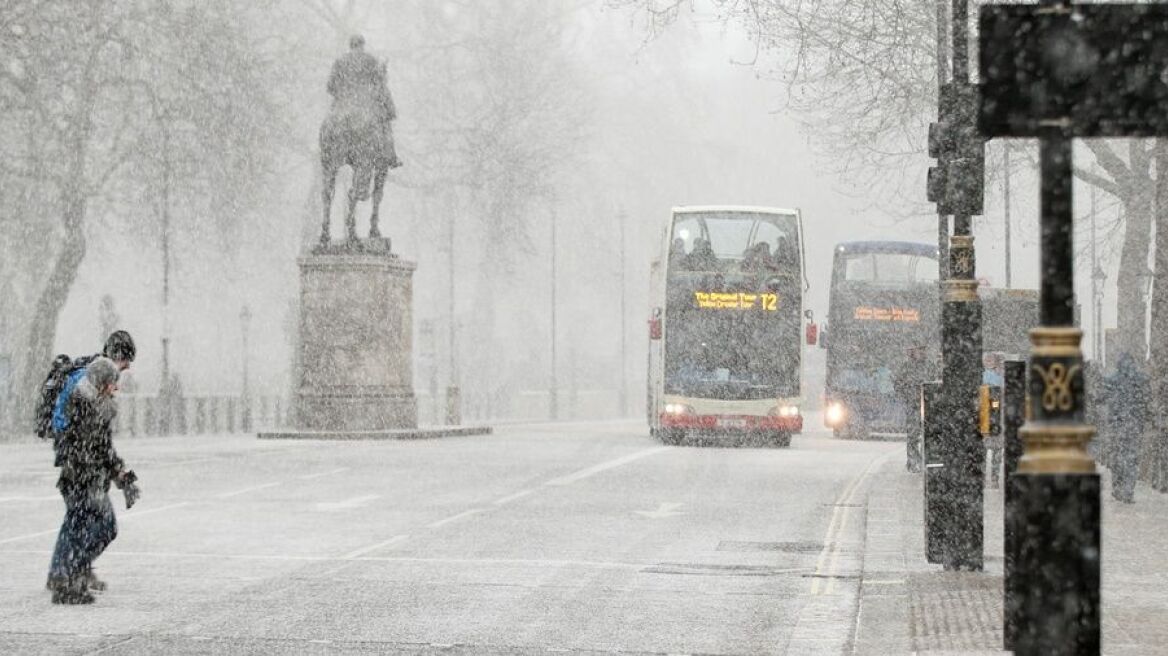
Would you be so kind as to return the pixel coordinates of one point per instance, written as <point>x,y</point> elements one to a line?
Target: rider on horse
<point>357,77</point>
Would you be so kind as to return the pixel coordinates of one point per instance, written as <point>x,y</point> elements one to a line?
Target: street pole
<point>453,402</point>
<point>1058,507</point>
<point>961,369</point>
<point>1094,285</point>
<point>553,392</point>
<point>942,78</point>
<point>245,395</point>
<point>1014,413</point>
<point>624,379</point>
<point>1006,206</point>
<point>164,388</point>
<point>936,519</point>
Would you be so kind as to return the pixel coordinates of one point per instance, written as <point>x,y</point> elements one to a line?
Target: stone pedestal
<point>356,342</point>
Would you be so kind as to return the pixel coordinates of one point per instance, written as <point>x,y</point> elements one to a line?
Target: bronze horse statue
<point>357,133</point>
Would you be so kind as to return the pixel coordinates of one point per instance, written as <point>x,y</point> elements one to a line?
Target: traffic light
<point>957,182</point>
<point>967,167</point>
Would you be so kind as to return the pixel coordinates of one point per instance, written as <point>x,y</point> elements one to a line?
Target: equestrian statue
<point>357,132</point>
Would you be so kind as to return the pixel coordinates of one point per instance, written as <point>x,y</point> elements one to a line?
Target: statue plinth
<point>356,340</point>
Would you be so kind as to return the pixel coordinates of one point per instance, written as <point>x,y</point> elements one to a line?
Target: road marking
<point>309,477</point>
<point>511,497</point>
<point>374,547</point>
<point>127,515</point>
<point>664,510</point>
<point>605,466</point>
<point>534,562</point>
<point>15,499</point>
<point>826,564</point>
<point>227,495</point>
<point>348,504</point>
<point>454,518</point>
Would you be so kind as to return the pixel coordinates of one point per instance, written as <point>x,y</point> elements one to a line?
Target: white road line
<point>348,504</point>
<point>605,466</point>
<point>227,495</point>
<point>825,565</point>
<point>16,499</point>
<point>374,547</point>
<point>535,562</point>
<point>309,477</point>
<point>455,518</point>
<point>30,535</point>
<point>511,497</point>
<point>121,517</point>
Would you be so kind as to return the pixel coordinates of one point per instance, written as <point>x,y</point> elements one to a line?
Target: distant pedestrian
<point>89,463</point>
<point>912,371</point>
<point>993,374</point>
<point>1127,401</point>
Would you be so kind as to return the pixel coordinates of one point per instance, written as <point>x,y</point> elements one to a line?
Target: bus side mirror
<point>812,334</point>
<point>655,324</point>
<point>823,338</point>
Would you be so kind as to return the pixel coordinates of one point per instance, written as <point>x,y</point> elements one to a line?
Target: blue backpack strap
<point>60,418</point>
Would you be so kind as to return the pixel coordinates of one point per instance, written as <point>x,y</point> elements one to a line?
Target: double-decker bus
<point>883,302</point>
<point>725,347</point>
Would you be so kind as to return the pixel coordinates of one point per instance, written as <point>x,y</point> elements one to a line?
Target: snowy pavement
<point>539,539</point>
<point>573,538</point>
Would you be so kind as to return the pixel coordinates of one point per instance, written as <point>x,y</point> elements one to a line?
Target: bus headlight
<point>678,409</point>
<point>785,411</point>
<point>834,415</point>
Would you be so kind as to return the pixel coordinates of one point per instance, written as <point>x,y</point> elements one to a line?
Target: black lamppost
<point>244,396</point>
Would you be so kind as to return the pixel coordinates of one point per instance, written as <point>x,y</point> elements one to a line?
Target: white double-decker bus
<point>725,348</point>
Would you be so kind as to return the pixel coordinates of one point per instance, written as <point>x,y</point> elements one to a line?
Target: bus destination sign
<point>767,301</point>
<point>868,313</point>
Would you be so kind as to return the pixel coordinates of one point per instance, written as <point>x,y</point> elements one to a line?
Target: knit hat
<point>101,372</point>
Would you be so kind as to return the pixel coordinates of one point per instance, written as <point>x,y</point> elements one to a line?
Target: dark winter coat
<point>1128,395</point>
<point>86,451</point>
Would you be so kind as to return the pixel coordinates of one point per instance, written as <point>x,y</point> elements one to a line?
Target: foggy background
<point>512,115</point>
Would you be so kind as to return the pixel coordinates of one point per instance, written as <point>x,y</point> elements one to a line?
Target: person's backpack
<point>63,375</point>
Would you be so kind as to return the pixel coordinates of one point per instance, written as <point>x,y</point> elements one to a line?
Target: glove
<point>127,482</point>
<point>132,493</point>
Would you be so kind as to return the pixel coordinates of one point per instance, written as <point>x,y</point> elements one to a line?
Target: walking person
<point>912,371</point>
<point>1127,401</point>
<point>53,420</point>
<point>89,463</point>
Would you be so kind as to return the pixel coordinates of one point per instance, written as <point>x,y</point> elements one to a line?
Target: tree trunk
<point>1159,334</point>
<point>43,328</point>
<point>1131,310</point>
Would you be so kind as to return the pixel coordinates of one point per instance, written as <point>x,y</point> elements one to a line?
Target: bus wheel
<point>670,436</point>
<point>781,440</point>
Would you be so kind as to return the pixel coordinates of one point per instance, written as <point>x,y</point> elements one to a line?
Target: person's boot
<point>94,583</point>
<point>55,583</point>
<point>73,592</point>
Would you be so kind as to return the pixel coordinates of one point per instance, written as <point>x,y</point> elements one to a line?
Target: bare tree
<point>94,94</point>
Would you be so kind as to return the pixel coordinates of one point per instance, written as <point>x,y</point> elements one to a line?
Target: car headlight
<point>678,409</point>
<point>834,413</point>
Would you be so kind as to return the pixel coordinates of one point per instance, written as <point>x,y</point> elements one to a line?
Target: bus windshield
<point>729,241</point>
<point>889,269</point>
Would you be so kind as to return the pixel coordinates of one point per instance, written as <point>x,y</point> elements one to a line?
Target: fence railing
<point>151,415</point>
